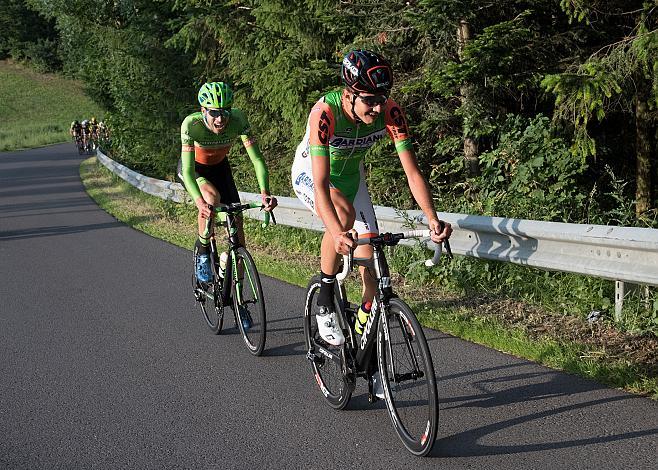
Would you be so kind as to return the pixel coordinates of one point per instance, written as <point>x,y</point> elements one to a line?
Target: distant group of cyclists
<point>327,174</point>
<point>88,134</point>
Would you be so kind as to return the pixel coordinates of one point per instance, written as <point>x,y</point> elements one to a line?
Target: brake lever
<point>438,249</point>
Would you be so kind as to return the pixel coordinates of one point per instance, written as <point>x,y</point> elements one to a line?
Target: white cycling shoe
<point>329,328</point>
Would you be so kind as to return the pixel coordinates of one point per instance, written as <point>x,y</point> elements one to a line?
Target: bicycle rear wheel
<point>328,361</point>
<point>209,297</point>
<point>408,377</point>
<point>248,302</point>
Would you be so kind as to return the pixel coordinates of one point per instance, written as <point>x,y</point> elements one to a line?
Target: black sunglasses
<point>215,113</point>
<point>374,100</point>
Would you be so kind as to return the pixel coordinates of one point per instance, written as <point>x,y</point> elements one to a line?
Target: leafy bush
<point>41,54</point>
<point>529,175</point>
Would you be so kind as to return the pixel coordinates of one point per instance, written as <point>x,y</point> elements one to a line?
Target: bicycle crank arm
<point>409,376</point>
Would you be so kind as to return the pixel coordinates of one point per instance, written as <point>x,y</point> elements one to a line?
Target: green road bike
<point>235,282</point>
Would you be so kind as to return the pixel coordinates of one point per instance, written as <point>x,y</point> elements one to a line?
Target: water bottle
<point>222,263</point>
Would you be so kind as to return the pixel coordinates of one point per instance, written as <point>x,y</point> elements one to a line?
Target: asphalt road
<point>105,362</point>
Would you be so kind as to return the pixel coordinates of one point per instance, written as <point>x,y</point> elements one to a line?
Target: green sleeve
<point>253,150</point>
<point>188,173</point>
<point>258,161</point>
<point>187,161</point>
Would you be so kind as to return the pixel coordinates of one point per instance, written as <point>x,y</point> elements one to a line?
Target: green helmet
<point>215,95</point>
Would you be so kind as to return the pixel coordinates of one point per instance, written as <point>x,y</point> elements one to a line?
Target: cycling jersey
<point>204,147</point>
<point>330,133</point>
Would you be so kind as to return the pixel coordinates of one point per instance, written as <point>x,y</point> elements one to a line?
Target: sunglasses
<point>215,113</point>
<point>374,100</point>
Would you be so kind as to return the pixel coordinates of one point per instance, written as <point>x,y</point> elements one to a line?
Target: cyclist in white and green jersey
<point>328,176</point>
<point>206,138</point>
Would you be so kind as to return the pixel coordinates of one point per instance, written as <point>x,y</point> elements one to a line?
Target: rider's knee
<point>363,252</point>
<point>210,194</point>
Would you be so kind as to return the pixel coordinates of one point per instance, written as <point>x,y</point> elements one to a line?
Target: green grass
<point>37,109</point>
<point>291,255</point>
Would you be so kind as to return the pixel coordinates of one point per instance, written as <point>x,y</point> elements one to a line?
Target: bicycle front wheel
<point>209,297</point>
<point>408,377</point>
<point>328,361</point>
<point>248,303</point>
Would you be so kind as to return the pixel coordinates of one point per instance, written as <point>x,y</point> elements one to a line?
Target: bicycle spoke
<point>327,361</point>
<point>248,303</point>
<point>209,298</point>
<point>409,381</point>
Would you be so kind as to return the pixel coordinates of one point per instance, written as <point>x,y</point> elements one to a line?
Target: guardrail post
<point>619,299</point>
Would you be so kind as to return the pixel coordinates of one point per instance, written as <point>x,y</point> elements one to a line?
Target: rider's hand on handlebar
<point>440,230</point>
<point>202,205</point>
<point>269,202</point>
<point>345,241</point>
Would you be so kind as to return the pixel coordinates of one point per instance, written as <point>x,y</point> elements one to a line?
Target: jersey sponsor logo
<point>309,201</point>
<point>364,221</point>
<point>323,128</point>
<point>366,141</point>
<point>398,117</point>
<point>214,143</point>
<point>304,180</point>
<point>305,199</point>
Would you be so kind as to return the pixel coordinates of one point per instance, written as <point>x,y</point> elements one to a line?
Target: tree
<point>27,35</point>
<point>118,49</point>
<point>620,74</point>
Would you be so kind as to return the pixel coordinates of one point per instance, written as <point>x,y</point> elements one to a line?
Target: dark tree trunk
<point>644,149</point>
<point>471,150</point>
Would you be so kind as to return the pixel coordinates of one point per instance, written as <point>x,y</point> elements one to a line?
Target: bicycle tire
<point>411,398</point>
<point>209,298</point>
<point>250,301</point>
<point>328,362</point>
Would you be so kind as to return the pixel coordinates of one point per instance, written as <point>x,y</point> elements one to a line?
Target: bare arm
<point>422,194</point>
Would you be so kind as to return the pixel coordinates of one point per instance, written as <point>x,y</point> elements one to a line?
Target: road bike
<point>392,343</point>
<point>87,146</point>
<point>77,139</point>
<point>236,283</point>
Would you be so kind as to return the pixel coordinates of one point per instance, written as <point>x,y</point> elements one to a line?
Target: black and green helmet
<point>215,95</point>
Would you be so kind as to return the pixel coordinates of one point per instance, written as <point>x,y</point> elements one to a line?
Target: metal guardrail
<point>621,254</point>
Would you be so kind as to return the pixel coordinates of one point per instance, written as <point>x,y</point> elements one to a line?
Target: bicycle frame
<point>229,213</point>
<point>364,360</point>
<point>392,349</point>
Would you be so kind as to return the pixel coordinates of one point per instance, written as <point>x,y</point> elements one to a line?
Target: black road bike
<point>392,343</point>
<point>237,284</point>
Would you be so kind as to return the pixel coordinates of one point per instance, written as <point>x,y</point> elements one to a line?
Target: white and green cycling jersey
<point>331,134</point>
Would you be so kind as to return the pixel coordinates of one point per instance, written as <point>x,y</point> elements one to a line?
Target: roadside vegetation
<point>37,109</point>
<point>532,329</point>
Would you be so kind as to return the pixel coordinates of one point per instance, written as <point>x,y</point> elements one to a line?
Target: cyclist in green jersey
<point>328,175</point>
<point>206,138</point>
